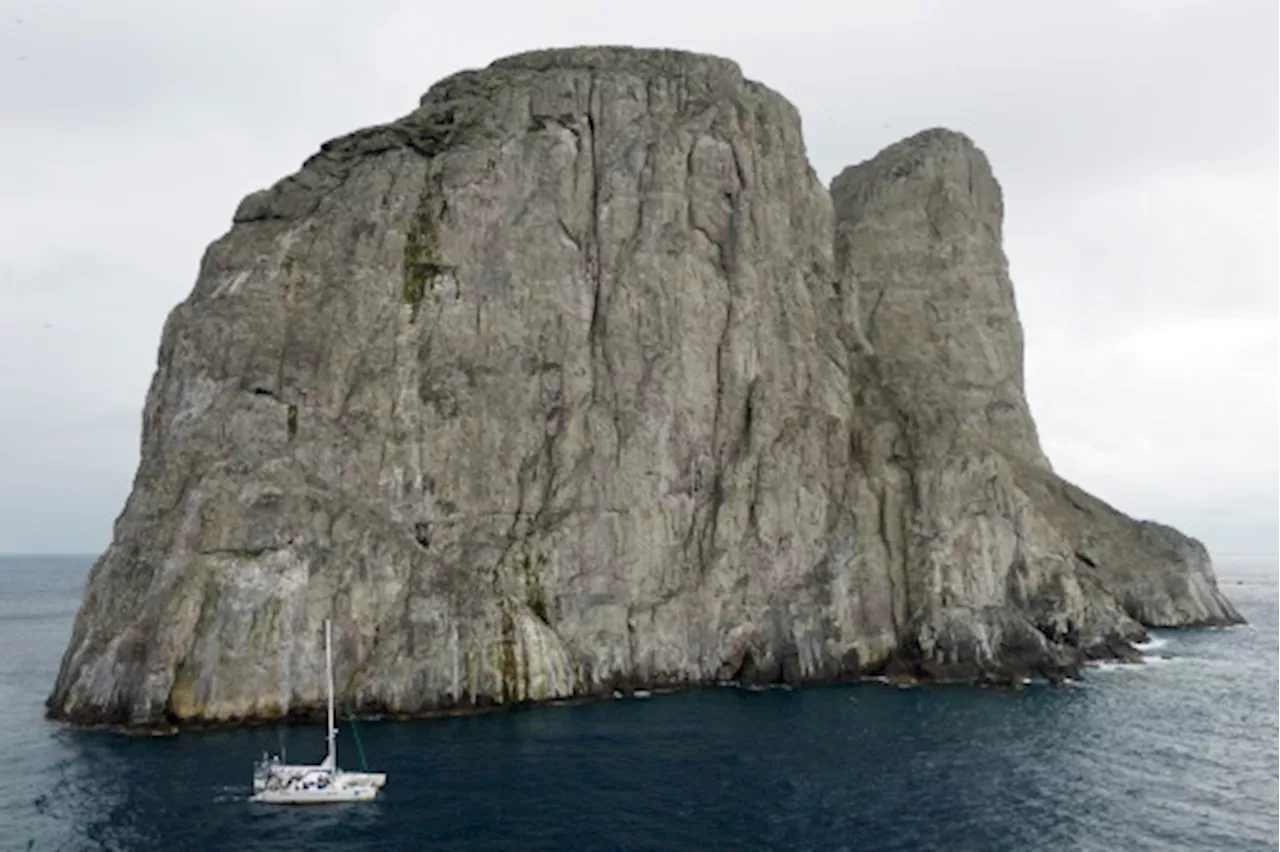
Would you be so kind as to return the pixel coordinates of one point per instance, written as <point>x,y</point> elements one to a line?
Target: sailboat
<point>279,783</point>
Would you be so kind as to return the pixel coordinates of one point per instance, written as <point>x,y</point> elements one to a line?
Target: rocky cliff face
<point>999,542</point>
<point>575,379</point>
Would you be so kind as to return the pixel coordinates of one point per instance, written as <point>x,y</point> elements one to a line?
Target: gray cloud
<point>1136,144</point>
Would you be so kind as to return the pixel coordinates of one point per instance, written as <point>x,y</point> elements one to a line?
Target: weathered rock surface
<point>997,535</point>
<point>574,379</point>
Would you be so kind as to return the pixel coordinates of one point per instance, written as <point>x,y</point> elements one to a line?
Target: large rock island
<point>576,378</point>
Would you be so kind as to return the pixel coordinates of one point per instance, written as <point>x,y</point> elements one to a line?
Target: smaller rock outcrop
<point>918,237</point>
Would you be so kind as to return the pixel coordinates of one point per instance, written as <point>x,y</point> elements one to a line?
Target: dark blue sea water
<point>1179,753</point>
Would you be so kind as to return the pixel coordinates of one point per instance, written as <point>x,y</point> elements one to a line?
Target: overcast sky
<point>1136,143</point>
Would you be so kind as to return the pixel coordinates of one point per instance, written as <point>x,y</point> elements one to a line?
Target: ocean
<point>1177,753</point>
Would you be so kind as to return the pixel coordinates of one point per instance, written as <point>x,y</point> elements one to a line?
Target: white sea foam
<point>1111,666</point>
<point>1151,644</point>
<point>1118,665</point>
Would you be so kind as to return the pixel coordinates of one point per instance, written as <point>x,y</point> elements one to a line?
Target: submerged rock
<point>574,380</point>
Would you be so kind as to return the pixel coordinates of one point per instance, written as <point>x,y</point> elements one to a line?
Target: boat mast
<point>332,760</point>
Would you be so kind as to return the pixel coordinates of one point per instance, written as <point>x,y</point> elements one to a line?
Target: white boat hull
<point>372,779</point>
<point>283,784</point>
<point>332,795</point>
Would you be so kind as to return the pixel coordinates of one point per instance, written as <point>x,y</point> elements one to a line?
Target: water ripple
<point>1173,755</point>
